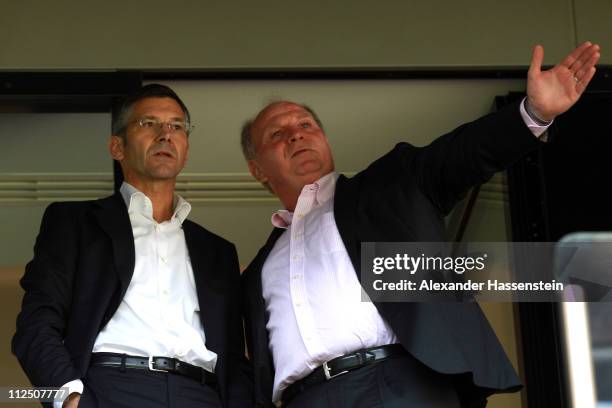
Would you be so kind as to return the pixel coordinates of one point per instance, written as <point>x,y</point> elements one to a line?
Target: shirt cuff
<point>537,129</point>
<point>73,386</point>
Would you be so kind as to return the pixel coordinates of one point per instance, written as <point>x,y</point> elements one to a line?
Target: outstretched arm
<point>554,91</point>
<point>472,153</point>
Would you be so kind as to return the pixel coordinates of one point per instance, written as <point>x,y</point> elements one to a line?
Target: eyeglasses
<point>175,126</point>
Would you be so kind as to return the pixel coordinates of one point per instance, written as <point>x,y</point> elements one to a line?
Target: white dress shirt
<point>312,294</point>
<point>159,314</point>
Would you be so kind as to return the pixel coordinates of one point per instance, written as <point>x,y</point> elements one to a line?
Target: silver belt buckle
<point>155,369</point>
<point>326,371</point>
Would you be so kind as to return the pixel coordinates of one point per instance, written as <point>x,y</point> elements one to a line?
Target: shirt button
<point>300,216</point>
<point>297,277</point>
<point>298,304</point>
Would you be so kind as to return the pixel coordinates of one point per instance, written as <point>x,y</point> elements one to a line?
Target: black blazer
<point>404,196</point>
<point>82,266</point>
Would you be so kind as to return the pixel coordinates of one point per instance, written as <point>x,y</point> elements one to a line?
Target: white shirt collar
<point>137,201</point>
<point>323,189</point>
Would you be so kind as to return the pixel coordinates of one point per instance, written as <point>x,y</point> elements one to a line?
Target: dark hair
<point>120,123</point>
<point>246,138</point>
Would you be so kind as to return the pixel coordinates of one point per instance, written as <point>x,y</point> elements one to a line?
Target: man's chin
<point>313,170</point>
<point>308,168</point>
<point>164,173</point>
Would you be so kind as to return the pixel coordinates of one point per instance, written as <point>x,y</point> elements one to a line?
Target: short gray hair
<point>121,122</point>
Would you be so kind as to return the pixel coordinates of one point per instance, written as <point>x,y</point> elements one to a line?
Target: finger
<point>584,82</point>
<point>584,58</point>
<point>587,66</point>
<point>537,57</point>
<point>572,56</point>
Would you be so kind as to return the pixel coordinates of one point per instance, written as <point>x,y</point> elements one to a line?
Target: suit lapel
<point>114,220</point>
<point>262,358</point>
<point>210,284</point>
<point>252,277</point>
<point>203,256</point>
<point>346,221</point>
<point>254,270</point>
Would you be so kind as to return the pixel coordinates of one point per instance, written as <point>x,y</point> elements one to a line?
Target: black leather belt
<point>160,364</point>
<point>342,365</point>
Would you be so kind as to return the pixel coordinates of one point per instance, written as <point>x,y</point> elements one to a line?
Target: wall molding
<point>495,190</point>
<point>28,188</point>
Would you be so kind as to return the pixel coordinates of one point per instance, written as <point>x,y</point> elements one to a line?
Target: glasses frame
<point>159,125</point>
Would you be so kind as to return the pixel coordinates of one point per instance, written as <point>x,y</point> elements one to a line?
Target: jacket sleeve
<point>47,282</point>
<point>470,155</point>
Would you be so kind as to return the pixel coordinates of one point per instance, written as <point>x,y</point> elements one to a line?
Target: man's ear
<point>115,147</point>
<point>257,172</point>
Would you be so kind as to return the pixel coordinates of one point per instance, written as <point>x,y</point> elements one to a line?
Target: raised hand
<point>554,91</point>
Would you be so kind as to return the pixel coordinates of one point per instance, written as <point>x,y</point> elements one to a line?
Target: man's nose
<point>164,132</point>
<point>295,134</point>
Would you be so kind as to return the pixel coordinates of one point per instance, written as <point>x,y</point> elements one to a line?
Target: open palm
<point>554,91</point>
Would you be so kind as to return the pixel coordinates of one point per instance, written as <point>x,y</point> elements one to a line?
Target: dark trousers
<point>107,387</point>
<point>397,382</point>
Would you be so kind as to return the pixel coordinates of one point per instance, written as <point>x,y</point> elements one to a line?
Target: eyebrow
<point>176,118</point>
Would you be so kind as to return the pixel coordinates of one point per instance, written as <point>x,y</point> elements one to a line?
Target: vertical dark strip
<point>542,353</point>
<point>572,4</point>
<point>117,173</point>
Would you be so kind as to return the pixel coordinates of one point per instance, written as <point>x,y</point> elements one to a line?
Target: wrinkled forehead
<point>276,112</point>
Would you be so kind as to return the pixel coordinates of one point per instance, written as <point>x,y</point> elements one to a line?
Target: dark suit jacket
<point>402,197</point>
<point>82,266</point>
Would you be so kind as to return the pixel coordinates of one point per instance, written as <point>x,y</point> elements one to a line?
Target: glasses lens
<point>174,126</point>
<point>148,123</point>
<point>178,126</point>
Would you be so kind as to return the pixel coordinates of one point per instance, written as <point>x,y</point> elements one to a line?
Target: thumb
<point>536,60</point>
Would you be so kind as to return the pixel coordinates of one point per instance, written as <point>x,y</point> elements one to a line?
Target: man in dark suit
<point>128,303</point>
<point>312,341</point>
